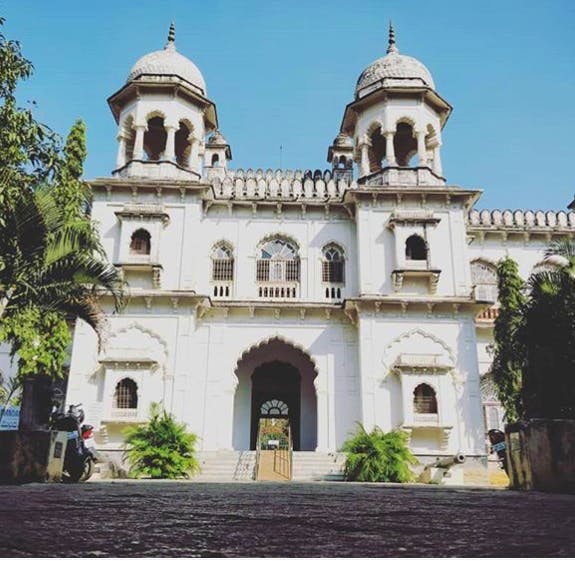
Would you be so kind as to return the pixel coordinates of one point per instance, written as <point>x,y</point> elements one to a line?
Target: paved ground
<point>208,519</point>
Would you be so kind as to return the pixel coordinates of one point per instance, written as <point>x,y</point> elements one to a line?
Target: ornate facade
<point>364,293</point>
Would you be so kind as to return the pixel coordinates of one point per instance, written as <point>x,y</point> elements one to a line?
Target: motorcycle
<point>498,446</point>
<point>78,459</point>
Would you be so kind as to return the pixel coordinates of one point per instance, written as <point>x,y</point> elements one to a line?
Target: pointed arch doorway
<point>275,380</point>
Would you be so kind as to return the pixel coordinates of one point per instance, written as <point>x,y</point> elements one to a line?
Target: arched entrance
<point>275,380</point>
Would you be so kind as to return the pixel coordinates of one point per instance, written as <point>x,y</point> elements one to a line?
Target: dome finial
<point>391,48</point>
<point>171,44</point>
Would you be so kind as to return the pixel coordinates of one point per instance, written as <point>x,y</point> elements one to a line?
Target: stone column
<point>170,151</point>
<point>437,169</point>
<point>139,142</point>
<point>389,148</point>
<point>121,156</point>
<point>364,160</point>
<point>194,152</point>
<point>421,152</point>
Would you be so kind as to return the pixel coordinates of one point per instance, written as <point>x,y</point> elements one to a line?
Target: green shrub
<point>161,449</point>
<point>378,456</point>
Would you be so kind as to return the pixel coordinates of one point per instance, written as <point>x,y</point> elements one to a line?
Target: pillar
<point>421,151</point>
<point>170,151</point>
<point>389,148</point>
<point>139,142</point>
<point>121,156</point>
<point>437,169</point>
<point>364,161</point>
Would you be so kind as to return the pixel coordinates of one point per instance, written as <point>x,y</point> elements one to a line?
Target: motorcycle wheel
<point>88,469</point>
<point>78,472</point>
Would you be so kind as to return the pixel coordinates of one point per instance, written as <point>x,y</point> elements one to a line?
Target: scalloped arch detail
<point>273,339</point>
<point>281,236</point>
<point>426,335</point>
<point>138,326</point>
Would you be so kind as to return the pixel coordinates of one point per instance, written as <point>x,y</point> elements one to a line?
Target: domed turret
<point>396,121</point>
<point>163,117</point>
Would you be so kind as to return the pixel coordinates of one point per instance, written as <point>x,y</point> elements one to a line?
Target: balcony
<point>278,279</point>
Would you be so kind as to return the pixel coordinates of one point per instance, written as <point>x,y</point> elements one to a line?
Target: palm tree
<point>44,262</point>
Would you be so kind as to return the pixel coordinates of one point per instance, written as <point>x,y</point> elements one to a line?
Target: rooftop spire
<point>171,44</point>
<point>391,48</point>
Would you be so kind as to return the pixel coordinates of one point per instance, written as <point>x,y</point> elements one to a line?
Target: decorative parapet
<point>403,177</point>
<point>281,185</point>
<point>521,220</point>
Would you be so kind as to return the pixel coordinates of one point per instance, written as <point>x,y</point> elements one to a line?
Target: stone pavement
<point>122,518</point>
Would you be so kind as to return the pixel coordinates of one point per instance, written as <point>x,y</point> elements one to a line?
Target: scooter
<point>498,446</point>
<point>78,459</point>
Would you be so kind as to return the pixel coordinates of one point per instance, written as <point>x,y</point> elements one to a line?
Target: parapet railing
<point>521,219</point>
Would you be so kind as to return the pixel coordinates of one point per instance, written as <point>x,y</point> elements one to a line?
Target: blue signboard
<point>10,417</point>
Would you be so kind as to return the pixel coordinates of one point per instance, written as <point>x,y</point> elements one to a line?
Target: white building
<point>359,294</point>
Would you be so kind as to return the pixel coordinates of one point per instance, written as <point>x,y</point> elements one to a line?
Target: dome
<point>168,62</point>
<point>217,139</point>
<point>395,69</point>
<point>342,140</point>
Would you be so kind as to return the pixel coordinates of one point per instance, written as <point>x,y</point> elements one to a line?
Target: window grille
<point>484,278</point>
<point>222,264</point>
<point>278,262</point>
<point>140,243</point>
<point>333,265</point>
<point>424,400</point>
<point>126,394</point>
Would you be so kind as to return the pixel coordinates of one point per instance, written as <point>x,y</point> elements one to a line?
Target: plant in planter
<point>378,456</point>
<point>161,448</point>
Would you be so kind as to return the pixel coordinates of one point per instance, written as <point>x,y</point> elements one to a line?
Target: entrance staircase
<point>318,466</point>
<point>227,465</point>
<point>232,465</point>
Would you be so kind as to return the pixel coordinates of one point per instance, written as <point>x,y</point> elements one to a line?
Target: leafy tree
<point>161,449</point>
<point>378,456</point>
<point>506,370</point>
<point>548,337</point>
<point>52,266</point>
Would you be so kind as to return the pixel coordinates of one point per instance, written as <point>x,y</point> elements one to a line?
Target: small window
<point>424,400</point>
<point>333,264</point>
<point>484,278</point>
<point>126,394</point>
<point>140,242</point>
<point>222,263</point>
<point>215,161</point>
<point>415,248</point>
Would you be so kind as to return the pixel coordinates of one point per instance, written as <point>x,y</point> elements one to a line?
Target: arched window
<point>155,139</point>
<point>274,408</point>
<point>222,263</point>
<point>404,143</point>
<point>126,394</point>
<point>278,261</point>
<point>424,400</point>
<point>333,264</point>
<point>140,242</point>
<point>182,144</point>
<point>484,279</point>
<point>415,248</point>
<point>215,161</point>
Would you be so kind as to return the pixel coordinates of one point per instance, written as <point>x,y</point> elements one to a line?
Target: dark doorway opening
<point>276,391</point>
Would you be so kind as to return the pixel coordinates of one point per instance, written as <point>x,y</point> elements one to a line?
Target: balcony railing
<point>278,291</point>
<point>123,414</point>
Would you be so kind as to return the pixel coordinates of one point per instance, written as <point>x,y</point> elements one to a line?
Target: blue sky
<point>282,72</point>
